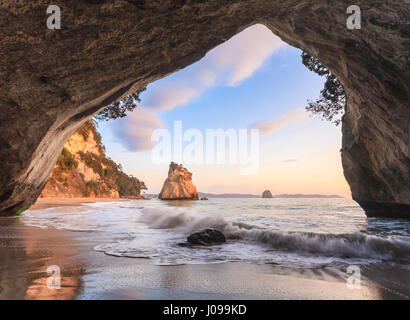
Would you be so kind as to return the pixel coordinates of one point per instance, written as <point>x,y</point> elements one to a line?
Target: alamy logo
<point>218,146</point>
<point>54,281</point>
<point>54,21</point>
<point>353,281</point>
<point>354,21</point>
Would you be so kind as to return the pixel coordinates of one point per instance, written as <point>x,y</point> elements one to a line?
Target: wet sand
<point>26,252</point>
<point>44,203</point>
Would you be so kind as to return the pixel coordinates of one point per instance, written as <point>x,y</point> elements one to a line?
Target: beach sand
<point>26,252</point>
<point>43,203</point>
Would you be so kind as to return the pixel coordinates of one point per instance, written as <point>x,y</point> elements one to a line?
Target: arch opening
<point>373,70</point>
<point>254,81</point>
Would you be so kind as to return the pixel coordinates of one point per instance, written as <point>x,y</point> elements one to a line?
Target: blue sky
<point>253,80</point>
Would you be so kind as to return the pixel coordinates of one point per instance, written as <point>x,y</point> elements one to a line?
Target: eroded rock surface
<point>72,173</point>
<point>83,170</point>
<point>178,185</point>
<point>52,81</point>
<point>206,237</point>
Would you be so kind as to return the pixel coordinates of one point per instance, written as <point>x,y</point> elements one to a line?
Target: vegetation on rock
<point>104,179</point>
<point>112,175</point>
<point>119,109</point>
<point>21,210</point>
<point>66,161</point>
<point>332,101</point>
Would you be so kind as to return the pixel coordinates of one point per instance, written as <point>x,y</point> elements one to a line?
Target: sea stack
<point>267,194</point>
<point>178,185</point>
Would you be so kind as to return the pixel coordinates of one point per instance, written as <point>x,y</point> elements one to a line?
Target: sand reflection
<point>25,255</point>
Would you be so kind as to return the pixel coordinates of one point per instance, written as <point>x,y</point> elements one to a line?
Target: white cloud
<point>274,125</point>
<point>171,97</point>
<point>134,131</point>
<point>226,65</point>
<point>244,53</point>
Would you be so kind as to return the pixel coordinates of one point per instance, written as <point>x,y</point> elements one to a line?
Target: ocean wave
<point>353,245</point>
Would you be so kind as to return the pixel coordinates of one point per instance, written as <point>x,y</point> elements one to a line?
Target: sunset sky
<point>253,80</point>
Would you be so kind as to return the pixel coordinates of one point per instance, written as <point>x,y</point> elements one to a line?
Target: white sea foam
<point>355,245</point>
<point>290,232</point>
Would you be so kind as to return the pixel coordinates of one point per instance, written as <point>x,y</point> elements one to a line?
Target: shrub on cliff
<point>332,101</point>
<point>128,185</point>
<point>112,175</point>
<point>95,188</point>
<point>66,161</point>
<point>119,109</point>
<point>87,128</point>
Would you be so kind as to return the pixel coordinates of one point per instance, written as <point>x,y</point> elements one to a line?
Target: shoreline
<point>45,203</point>
<point>26,252</point>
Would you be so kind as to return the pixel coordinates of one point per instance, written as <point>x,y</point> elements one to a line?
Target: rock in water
<point>267,194</point>
<point>178,185</point>
<point>207,237</point>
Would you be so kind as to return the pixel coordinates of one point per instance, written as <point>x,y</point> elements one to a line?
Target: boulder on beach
<point>178,185</point>
<point>204,198</point>
<point>267,194</point>
<point>206,237</point>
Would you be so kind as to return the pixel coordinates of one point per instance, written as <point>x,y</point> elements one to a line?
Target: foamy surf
<point>355,245</point>
<point>320,232</point>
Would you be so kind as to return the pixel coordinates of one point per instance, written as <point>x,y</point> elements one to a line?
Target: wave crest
<point>354,245</point>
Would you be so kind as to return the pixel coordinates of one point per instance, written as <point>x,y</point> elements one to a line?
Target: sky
<point>253,82</point>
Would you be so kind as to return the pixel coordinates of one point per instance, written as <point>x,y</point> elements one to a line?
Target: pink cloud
<point>134,131</point>
<point>274,125</point>
<point>170,97</point>
<point>226,65</point>
<point>244,53</point>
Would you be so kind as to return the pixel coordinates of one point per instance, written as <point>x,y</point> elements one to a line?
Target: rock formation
<point>206,237</point>
<point>178,185</point>
<point>83,170</point>
<point>267,194</point>
<point>52,81</point>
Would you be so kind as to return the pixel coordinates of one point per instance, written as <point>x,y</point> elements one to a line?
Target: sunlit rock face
<point>52,81</point>
<point>72,183</point>
<point>178,185</point>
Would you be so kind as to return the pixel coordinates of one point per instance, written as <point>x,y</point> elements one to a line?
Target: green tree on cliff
<point>119,109</point>
<point>332,101</point>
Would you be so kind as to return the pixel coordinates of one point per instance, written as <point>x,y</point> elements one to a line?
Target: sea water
<point>285,232</point>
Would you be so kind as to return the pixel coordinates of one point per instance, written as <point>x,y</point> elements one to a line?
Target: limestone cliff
<point>52,81</point>
<point>83,170</point>
<point>178,185</point>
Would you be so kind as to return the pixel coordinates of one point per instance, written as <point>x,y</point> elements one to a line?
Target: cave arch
<point>52,81</point>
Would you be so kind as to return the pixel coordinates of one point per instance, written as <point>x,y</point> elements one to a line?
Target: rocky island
<point>267,194</point>
<point>178,185</point>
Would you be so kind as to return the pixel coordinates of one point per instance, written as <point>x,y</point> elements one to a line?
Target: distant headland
<point>248,195</point>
